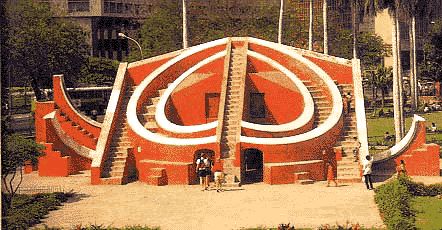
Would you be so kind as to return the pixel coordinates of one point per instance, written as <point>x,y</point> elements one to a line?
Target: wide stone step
<point>149,116</point>
<point>121,144</point>
<point>161,91</point>
<point>308,181</point>
<point>150,108</point>
<point>151,125</point>
<point>154,100</point>
<point>118,149</point>
<point>116,173</point>
<point>116,163</point>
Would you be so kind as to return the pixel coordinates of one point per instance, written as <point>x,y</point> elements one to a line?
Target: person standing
<point>201,169</point>
<point>356,149</point>
<point>400,169</point>
<point>347,103</point>
<point>330,174</point>
<point>366,170</point>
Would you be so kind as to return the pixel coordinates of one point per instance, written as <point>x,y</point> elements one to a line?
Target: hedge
<point>393,199</point>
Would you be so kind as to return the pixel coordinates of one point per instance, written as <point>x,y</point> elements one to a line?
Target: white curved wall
<point>330,122</point>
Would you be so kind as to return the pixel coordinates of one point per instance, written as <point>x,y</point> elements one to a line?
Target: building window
<point>257,105</point>
<point>78,6</point>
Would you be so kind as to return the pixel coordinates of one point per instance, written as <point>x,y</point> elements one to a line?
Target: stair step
<point>116,173</point>
<point>308,181</point>
<point>154,100</point>
<point>150,108</point>
<point>149,116</point>
<point>121,144</point>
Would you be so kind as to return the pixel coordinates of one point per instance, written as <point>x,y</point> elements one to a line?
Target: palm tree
<point>394,7</point>
<point>184,25</point>
<point>324,20</point>
<point>310,28</point>
<point>382,80</point>
<point>413,8</point>
<point>281,10</point>
<point>357,7</point>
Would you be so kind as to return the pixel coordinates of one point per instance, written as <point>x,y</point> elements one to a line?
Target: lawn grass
<point>376,127</point>
<point>428,212</point>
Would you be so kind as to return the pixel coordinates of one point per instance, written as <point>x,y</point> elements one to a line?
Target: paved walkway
<point>186,207</point>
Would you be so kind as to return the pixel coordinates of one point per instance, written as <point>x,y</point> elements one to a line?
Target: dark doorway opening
<point>252,166</point>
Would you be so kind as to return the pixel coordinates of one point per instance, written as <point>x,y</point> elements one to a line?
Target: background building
<point>103,20</point>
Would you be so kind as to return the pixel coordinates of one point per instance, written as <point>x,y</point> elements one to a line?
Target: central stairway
<point>231,122</point>
<point>348,169</point>
<point>115,165</point>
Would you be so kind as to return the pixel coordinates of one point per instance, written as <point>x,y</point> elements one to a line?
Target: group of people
<point>204,167</point>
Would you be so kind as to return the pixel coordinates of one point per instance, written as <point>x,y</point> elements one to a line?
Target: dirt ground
<point>187,207</point>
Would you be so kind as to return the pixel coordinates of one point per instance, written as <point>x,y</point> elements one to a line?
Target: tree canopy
<point>40,45</point>
<point>431,66</point>
<point>16,151</point>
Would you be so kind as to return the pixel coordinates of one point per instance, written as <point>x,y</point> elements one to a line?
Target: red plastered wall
<point>254,66</point>
<point>75,133</point>
<point>301,151</point>
<point>341,73</point>
<point>173,72</point>
<point>60,160</point>
<point>62,103</point>
<point>282,105</point>
<point>41,109</point>
<point>175,174</point>
<point>285,174</point>
<point>190,102</point>
<point>138,73</point>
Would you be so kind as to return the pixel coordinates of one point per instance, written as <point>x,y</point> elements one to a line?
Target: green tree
<point>99,71</point>
<point>370,47</point>
<point>160,32</point>
<point>16,151</point>
<point>380,78</point>
<point>40,45</point>
<point>431,67</point>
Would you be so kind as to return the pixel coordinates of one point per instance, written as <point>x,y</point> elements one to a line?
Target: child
<point>356,149</point>
<point>219,180</point>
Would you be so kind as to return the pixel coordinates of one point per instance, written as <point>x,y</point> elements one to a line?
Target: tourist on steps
<point>366,169</point>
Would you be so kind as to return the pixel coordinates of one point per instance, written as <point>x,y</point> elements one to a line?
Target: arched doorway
<point>252,166</point>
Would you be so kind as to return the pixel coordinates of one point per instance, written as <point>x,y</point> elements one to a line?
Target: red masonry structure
<point>262,111</point>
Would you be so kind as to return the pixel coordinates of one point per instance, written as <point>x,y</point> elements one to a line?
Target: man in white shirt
<point>366,171</point>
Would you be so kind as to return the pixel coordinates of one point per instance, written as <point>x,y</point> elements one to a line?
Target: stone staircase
<point>149,111</point>
<point>76,131</point>
<point>348,170</point>
<point>115,165</point>
<point>323,106</point>
<point>302,178</point>
<point>231,128</point>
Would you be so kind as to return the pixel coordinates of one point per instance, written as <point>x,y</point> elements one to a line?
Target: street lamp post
<point>122,35</point>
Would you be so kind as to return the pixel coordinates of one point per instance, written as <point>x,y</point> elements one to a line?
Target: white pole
<point>184,25</point>
<point>324,19</point>
<point>310,29</point>
<point>280,22</point>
